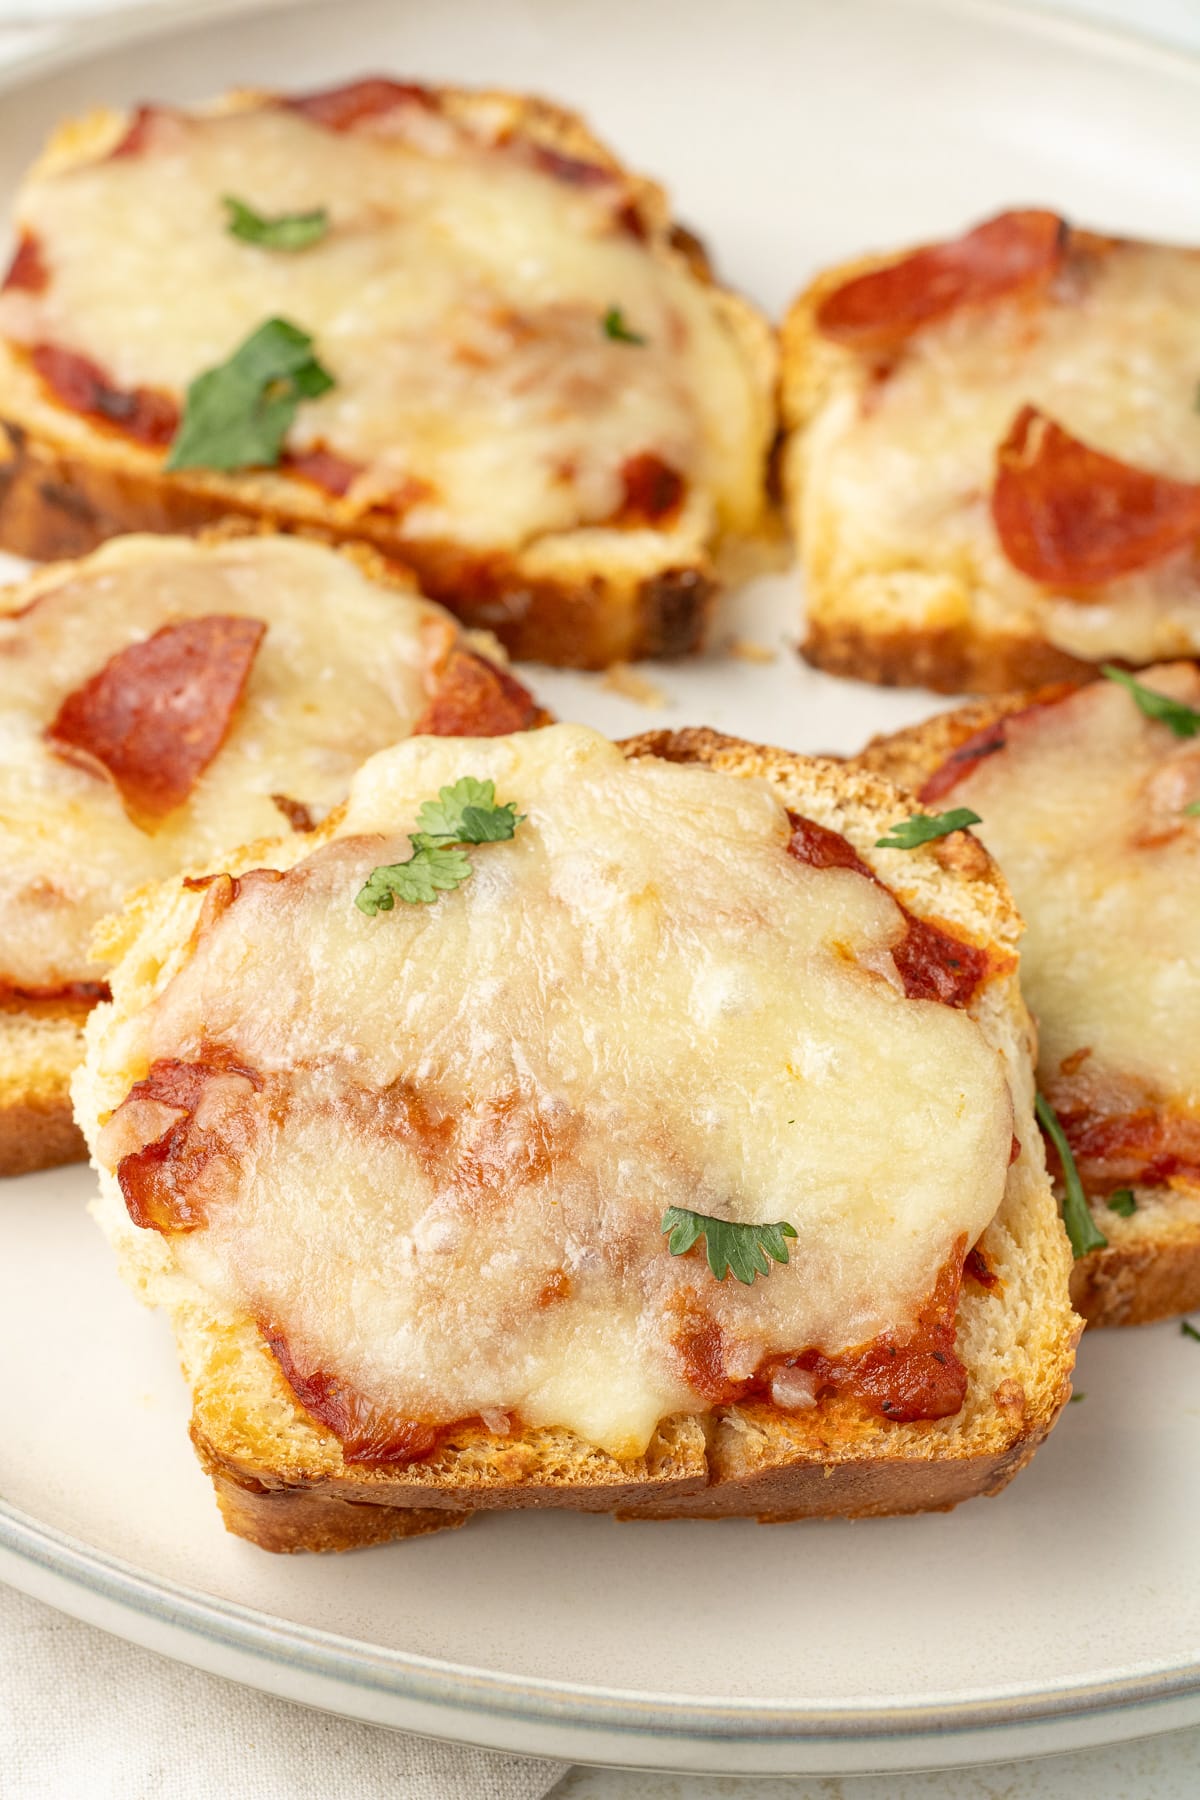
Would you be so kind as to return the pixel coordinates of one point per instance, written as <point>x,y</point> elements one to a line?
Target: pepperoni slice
<point>931,963</point>
<point>1069,515</point>
<point>82,385</point>
<point>158,711</point>
<point>342,108</point>
<point>475,698</point>
<point>989,740</point>
<point>881,310</point>
<point>167,1182</point>
<point>367,1433</point>
<point>27,270</point>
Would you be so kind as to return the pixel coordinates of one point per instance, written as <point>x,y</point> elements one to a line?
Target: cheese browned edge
<point>1150,1268</point>
<point>281,1478</point>
<point>66,486</point>
<point>952,659</point>
<point>39,1052</point>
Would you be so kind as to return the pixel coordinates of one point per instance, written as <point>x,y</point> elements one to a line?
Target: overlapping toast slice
<point>165,697</point>
<point>604,1127</point>
<point>448,324</point>
<point>993,460</point>
<point>1089,798</point>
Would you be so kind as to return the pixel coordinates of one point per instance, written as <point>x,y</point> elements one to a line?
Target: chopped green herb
<point>1082,1229</point>
<point>1183,720</point>
<point>738,1249</point>
<point>1187,1329</point>
<point>1122,1202</point>
<point>237,415</point>
<point>616,328</point>
<point>922,828</point>
<point>1193,811</point>
<point>466,813</point>
<point>285,231</point>
<point>1077,1397</point>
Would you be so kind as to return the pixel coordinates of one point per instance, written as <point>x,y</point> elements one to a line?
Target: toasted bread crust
<point>284,1481</point>
<point>59,502</point>
<point>67,485</point>
<point>953,660</point>
<point>37,1125</point>
<point>1151,1267</point>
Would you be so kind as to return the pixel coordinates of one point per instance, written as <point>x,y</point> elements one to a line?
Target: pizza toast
<point>557,426</point>
<point>164,697</point>
<point>524,1287</point>
<point>993,458</point>
<point>1088,801</point>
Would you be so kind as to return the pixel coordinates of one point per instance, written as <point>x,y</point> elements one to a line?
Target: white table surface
<point>1164,1768</point>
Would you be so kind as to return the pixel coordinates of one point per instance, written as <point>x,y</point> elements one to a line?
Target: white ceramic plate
<point>1067,1611</point>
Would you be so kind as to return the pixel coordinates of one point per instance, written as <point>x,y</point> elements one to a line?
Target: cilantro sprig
<point>1182,719</point>
<point>1188,1330</point>
<point>923,828</point>
<point>1123,1202</point>
<point>466,813</point>
<point>237,415</point>
<point>283,231</point>
<point>740,1250</point>
<point>1082,1229</point>
<point>616,328</point>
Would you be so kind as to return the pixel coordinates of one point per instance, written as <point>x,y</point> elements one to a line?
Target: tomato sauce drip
<point>76,382</point>
<point>58,997</point>
<point>159,1181</point>
<point>1146,1146</point>
<point>27,270</point>
<point>367,1433</point>
<point>881,310</point>
<point>1070,516</point>
<point>653,491</point>
<point>976,1267</point>
<point>157,713</point>
<point>324,468</point>
<point>932,963</point>
<point>342,108</point>
<point>475,698</point>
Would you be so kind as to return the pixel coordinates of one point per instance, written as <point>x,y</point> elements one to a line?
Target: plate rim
<point>537,1701</point>
<point>457,1689</point>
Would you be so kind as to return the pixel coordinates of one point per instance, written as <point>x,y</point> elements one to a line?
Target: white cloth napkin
<point>84,1716</point>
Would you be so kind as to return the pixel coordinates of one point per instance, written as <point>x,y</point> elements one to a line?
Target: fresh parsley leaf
<point>616,328</point>
<point>432,868</point>
<point>741,1250</point>
<point>1122,1202</point>
<point>1082,1229</point>
<point>237,415</point>
<point>1183,720</point>
<point>467,814</point>
<point>1187,1329</point>
<point>1193,811</point>
<point>1077,1397</point>
<point>922,828</point>
<point>285,231</point>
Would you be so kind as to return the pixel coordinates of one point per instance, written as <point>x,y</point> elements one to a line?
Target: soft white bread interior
<point>276,1462</point>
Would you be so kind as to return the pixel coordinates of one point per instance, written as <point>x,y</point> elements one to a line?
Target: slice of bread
<point>71,837</point>
<point>292,1474</point>
<point>542,403</point>
<point>1080,774</point>
<point>896,418</point>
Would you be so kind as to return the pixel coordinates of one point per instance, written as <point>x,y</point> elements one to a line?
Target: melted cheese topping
<point>898,471</point>
<point>1084,811</point>
<point>475,1112</point>
<point>341,671</point>
<point>458,300</point>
